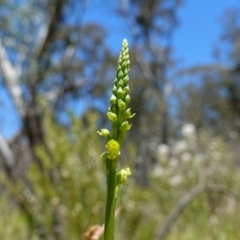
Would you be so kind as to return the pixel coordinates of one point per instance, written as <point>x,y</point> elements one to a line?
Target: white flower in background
<point>180,146</point>
<point>213,144</point>
<point>163,149</point>
<point>209,172</point>
<point>163,152</point>
<point>233,135</point>
<point>199,157</point>
<point>175,180</point>
<point>213,220</point>
<point>158,171</point>
<point>153,145</point>
<point>173,162</point>
<point>216,155</point>
<point>186,157</point>
<point>231,205</point>
<point>188,130</point>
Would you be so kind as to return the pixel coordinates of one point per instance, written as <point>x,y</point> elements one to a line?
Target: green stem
<point>111,200</point>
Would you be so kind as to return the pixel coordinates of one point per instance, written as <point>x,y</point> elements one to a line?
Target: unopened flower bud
<point>121,104</point>
<point>114,90</point>
<point>127,99</point>
<point>125,43</point>
<point>126,71</point>
<point>126,88</point>
<point>126,80</point>
<point>120,83</point>
<point>120,92</point>
<point>120,75</point>
<point>126,57</point>
<point>112,116</point>
<point>113,99</point>
<point>125,64</point>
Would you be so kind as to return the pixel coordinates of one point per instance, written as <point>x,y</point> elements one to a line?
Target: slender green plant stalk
<point>118,113</point>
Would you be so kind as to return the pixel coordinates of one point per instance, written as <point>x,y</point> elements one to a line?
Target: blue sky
<point>199,28</point>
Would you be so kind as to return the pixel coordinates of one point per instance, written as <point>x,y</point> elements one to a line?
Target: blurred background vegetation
<point>183,148</point>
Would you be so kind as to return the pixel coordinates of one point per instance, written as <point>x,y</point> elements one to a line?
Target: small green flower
<point>105,133</point>
<point>123,175</point>
<point>125,126</point>
<point>128,114</point>
<point>113,148</point>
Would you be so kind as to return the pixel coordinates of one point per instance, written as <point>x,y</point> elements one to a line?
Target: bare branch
<point>187,199</point>
<point>181,204</point>
<point>222,189</point>
<point>11,79</point>
<point>7,154</point>
<point>47,32</point>
<point>147,72</point>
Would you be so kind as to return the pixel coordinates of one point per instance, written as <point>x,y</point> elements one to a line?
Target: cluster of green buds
<point>118,112</point>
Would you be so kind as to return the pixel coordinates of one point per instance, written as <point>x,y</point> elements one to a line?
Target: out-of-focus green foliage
<point>67,195</point>
<point>62,191</point>
<point>212,215</point>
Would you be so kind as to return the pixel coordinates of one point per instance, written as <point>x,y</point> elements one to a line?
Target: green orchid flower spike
<point>118,114</point>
